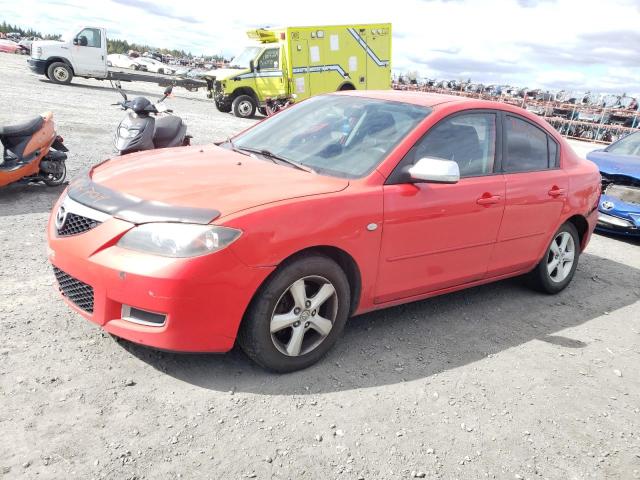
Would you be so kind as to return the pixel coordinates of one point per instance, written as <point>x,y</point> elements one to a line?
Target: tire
<point>224,107</point>
<point>547,276</point>
<point>59,72</point>
<point>58,179</point>
<point>269,341</point>
<point>244,106</point>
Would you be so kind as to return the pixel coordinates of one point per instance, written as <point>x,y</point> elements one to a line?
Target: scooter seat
<point>23,129</point>
<point>167,129</point>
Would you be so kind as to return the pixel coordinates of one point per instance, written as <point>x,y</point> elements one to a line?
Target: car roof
<point>407,96</point>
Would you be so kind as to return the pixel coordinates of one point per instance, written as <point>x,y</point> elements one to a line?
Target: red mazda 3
<point>340,205</point>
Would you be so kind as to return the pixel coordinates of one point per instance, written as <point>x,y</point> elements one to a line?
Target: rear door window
<point>528,148</point>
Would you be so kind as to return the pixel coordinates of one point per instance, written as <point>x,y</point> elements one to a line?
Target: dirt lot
<point>494,382</point>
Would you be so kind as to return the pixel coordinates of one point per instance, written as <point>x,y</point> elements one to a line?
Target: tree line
<point>30,32</point>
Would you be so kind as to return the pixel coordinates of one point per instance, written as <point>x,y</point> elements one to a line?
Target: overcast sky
<point>571,44</point>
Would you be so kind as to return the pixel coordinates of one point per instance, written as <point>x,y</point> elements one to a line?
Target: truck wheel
<point>60,73</point>
<point>244,106</point>
<point>224,107</point>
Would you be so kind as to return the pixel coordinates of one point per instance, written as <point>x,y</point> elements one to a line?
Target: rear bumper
<point>202,300</point>
<point>37,66</point>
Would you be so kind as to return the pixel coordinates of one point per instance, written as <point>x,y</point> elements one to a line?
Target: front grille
<point>75,224</point>
<point>79,293</point>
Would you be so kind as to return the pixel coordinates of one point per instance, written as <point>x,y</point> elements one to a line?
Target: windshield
<point>337,135</point>
<point>629,145</point>
<point>242,60</point>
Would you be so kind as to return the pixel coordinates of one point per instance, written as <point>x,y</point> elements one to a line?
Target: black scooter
<point>140,131</point>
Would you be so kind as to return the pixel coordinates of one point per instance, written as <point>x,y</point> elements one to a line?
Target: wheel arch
<point>51,60</point>
<point>344,260</point>
<point>346,86</point>
<point>582,226</point>
<point>245,91</point>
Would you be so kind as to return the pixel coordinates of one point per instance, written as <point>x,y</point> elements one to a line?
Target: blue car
<point>619,206</point>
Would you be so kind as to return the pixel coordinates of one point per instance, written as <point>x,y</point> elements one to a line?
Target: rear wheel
<point>60,72</point>
<point>557,267</point>
<point>298,315</point>
<point>244,106</point>
<point>55,179</point>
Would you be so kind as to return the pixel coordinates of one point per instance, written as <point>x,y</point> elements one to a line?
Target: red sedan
<point>342,204</point>
<point>9,46</point>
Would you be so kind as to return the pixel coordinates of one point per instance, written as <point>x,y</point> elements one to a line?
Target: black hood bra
<point>133,209</point>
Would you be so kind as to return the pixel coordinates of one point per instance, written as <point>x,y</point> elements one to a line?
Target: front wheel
<point>244,106</point>
<point>557,267</point>
<point>55,179</point>
<point>60,72</point>
<point>223,106</point>
<point>298,315</point>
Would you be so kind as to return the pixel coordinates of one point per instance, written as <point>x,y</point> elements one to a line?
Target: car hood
<point>46,43</point>
<point>614,164</point>
<point>193,184</point>
<point>223,73</point>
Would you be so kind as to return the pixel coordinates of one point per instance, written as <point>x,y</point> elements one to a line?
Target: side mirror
<point>75,41</point>
<point>435,170</point>
<point>252,66</point>
<point>82,41</point>
<point>168,90</point>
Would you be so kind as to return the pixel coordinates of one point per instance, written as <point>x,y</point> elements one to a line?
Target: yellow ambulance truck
<point>304,61</point>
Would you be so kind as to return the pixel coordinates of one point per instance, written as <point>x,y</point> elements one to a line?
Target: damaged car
<point>619,207</point>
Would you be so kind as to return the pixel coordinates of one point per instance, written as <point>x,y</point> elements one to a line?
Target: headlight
<point>37,52</point>
<point>178,240</point>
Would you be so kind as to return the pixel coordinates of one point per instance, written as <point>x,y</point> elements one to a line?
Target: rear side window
<point>467,139</point>
<point>528,148</point>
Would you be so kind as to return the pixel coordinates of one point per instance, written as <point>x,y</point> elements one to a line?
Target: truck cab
<point>81,52</point>
<point>304,61</point>
<point>258,72</point>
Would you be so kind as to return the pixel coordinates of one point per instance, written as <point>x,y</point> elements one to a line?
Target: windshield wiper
<point>277,158</point>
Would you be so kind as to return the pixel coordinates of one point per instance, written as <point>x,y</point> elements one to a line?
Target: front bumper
<point>619,218</point>
<point>203,299</point>
<point>37,66</point>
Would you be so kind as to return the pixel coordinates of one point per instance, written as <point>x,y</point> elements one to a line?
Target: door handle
<point>557,192</point>
<point>488,199</point>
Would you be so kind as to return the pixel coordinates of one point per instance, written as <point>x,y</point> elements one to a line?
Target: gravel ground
<point>493,382</point>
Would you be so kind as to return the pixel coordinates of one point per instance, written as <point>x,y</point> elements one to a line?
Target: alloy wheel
<point>561,256</point>
<point>304,315</point>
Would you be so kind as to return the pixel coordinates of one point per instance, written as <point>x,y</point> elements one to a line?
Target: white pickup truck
<point>83,53</point>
